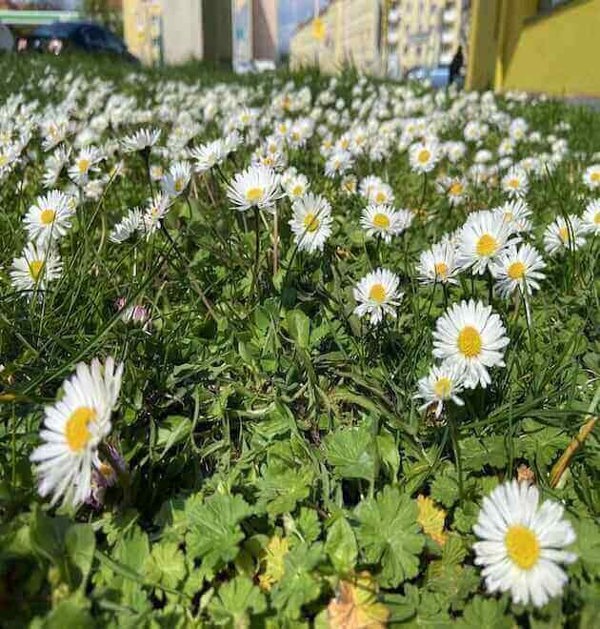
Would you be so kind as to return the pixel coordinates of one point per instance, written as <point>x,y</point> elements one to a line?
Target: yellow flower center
<point>178,185</point>
<point>597,218</point>
<point>513,183</point>
<point>3,160</point>
<point>522,546</point>
<point>456,188</point>
<point>254,195</point>
<point>311,222</point>
<point>381,220</point>
<point>47,216</point>
<point>424,156</point>
<point>509,217</point>
<point>35,268</point>
<point>76,430</point>
<point>297,190</point>
<point>83,165</point>
<point>441,270</point>
<point>380,197</point>
<point>486,245</point>
<point>516,270</point>
<point>469,342</point>
<point>595,176</point>
<point>443,387</point>
<point>563,233</point>
<point>377,293</point>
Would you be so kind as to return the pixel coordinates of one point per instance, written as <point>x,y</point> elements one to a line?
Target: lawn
<point>291,351</point>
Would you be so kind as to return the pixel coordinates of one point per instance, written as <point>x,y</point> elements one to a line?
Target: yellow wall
<point>514,48</point>
<point>558,53</point>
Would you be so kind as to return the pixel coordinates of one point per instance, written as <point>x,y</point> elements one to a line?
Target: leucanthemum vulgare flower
<point>49,218</point>
<point>377,295</point>
<point>131,223</point>
<point>73,429</point>
<point>522,544</point>
<point>311,222</point>
<point>85,163</point>
<point>564,235</point>
<point>54,166</point>
<point>423,156</point>
<point>338,163</point>
<point>591,177</point>
<point>382,221</point>
<point>441,385</point>
<point>38,266</point>
<point>516,214</point>
<point>470,335</point>
<point>177,179</point>
<point>482,238</point>
<point>515,182</point>
<point>438,264</point>
<point>141,140</point>
<point>516,269</point>
<point>349,185</point>
<point>257,186</point>
<point>54,131</point>
<point>157,172</point>
<point>454,151</point>
<point>154,213</point>
<point>591,217</point>
<point>295,186</point>
<point>454,188</point>
<point>376,191</point>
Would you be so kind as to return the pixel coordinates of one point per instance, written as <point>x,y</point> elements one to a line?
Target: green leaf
<point>488,613</point>
<point>298,325</point>
<point>281,487</point>
<point>309,525</point>
<point>235,603</point>
<point>299,584</point>
<point>80,543</point>
<point>214,532</point>
<point>350,452</point>
<point>71,613</point>
<point>341,547</point>
<point>165,565</point>
<point>388,534</point>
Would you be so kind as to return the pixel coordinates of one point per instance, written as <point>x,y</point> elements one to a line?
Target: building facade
<point>176,31</point>
<point>527,45</point>
<point>346,32</point>
<point>425,33</point>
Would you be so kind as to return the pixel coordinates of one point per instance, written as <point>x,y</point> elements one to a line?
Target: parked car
<point>437,77</point>
<point>60,37</point>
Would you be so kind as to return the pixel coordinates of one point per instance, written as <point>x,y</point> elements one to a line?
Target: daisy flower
<point>518,269</point>
<point>455,190</point>
<point>423,156</point>
<point>562,235</point>
<point>177,179</point>
<point>54,166</point>
<point>515,182</point>
<point>349,185</point>
<point>522,544</point>
<point>311,222</point>
<point>141,140</point>
<point>591,177</point>
<point>296,186</point>
<point>591,217</point>
<point>338,163</point>
<point>377,295</point>
<point>36,268</point>
<point>73,429</point>
<point>84,164</point>
<point>515,213</point>
<point>257,186</point>
<point>49,218</point>
<point>470,335</point>
<point>483,236</point>
<point>382,221</point>
<point>133,221</point>
<point>438,265</point>
<point>443,383</point>
<point>154,213</point>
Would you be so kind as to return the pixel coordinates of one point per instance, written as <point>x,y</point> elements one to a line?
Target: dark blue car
<point>78,36</point>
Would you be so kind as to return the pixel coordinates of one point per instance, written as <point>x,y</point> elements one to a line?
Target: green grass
<point>279,415</point>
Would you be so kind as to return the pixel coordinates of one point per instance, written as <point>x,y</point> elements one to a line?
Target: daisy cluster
<point>382,206</point>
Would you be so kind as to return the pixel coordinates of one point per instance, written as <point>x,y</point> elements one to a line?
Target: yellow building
<point>347,32</point>
<point>425,32</point>
<point>550,46</point>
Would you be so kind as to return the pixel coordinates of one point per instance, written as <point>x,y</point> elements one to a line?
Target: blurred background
<point>550,46</point>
